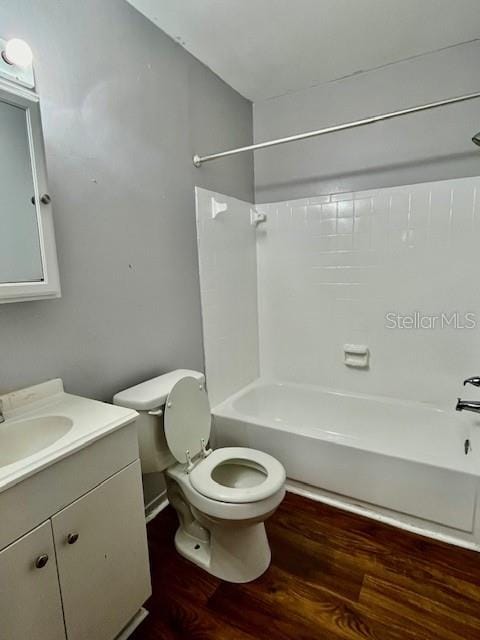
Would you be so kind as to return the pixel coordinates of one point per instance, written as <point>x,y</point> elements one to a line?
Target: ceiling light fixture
<point>18,53</point>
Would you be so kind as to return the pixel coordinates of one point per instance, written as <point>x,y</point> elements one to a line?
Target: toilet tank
<point>149,398</point>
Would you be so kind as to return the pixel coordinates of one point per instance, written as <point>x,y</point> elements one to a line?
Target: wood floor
<point>333,576</point>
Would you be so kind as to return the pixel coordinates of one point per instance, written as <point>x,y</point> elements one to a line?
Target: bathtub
<point>408,464</point>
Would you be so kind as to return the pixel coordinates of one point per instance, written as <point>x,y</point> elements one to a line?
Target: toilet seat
<point>237,457</point>
<point>234,475</point>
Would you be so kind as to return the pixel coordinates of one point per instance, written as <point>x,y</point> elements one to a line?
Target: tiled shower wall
<point>228,280</point>
<point>330,269</point>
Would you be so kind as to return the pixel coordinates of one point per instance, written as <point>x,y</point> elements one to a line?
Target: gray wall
<point>433,145</point>
<point>124,109</point>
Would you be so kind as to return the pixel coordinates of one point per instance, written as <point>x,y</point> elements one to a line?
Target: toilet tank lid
<point>153,393</point>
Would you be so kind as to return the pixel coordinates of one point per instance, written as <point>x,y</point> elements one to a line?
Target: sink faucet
<point>469,405</point>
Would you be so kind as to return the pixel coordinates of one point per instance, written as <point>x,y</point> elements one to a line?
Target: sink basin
<point>20,439</point>
<point>44,425</point>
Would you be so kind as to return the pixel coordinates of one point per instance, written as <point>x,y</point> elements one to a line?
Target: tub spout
<point>468,405</point>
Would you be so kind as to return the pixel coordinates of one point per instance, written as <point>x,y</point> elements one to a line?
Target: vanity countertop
<point>75,423</point>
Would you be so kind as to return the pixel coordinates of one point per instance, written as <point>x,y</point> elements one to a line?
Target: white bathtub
<point>404,463</point>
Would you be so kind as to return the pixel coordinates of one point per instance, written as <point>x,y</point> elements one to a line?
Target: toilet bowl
<point>222,497</point>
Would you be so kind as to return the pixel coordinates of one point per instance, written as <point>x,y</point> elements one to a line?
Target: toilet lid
<point>187,418</point>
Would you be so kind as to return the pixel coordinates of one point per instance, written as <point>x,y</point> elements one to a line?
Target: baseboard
<point>137,619</point>
<point>401,521</point>
<point>154,508</point>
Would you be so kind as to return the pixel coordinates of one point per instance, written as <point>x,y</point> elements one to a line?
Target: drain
<point>196,547</point>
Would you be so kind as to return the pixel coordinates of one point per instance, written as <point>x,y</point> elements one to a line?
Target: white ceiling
<point>265,48</point>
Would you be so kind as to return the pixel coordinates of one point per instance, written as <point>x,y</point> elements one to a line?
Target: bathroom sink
<point>20,439</point>
<point>44,425</point>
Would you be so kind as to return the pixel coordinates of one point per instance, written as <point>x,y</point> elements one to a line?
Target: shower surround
<point>282,299</point>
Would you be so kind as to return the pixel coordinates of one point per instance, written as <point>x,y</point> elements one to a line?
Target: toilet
<point>223,496</point>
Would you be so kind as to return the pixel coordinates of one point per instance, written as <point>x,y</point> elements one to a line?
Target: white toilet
<point>222,497</point>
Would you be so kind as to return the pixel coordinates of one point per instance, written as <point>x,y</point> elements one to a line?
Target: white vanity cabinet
<point>103,569</point>
<point>30,604</point>
<point>84,573</point>
<point>73,543</point>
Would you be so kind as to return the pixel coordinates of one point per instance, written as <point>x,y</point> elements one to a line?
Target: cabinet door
<point>30,605</point>
<point>102,557</point>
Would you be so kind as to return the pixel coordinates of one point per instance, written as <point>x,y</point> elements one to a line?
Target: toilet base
<point>233,553</point>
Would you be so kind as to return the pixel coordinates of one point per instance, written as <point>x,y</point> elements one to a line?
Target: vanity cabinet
<point>73,541</point>
<point>30,604</point>
<point>103,569</point>
<point>84,573</point>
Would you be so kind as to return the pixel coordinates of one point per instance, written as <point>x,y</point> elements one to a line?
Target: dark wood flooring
<point>333,576</point>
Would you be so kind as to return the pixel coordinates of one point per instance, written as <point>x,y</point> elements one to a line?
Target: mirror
<point>28,262</point>
<point>20,254</point>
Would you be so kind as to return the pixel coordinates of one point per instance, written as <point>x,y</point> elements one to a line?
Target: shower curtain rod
<point>199,160</point>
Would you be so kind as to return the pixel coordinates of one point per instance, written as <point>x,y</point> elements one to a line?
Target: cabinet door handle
<point>72,538</point>
<point>41,561</point>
